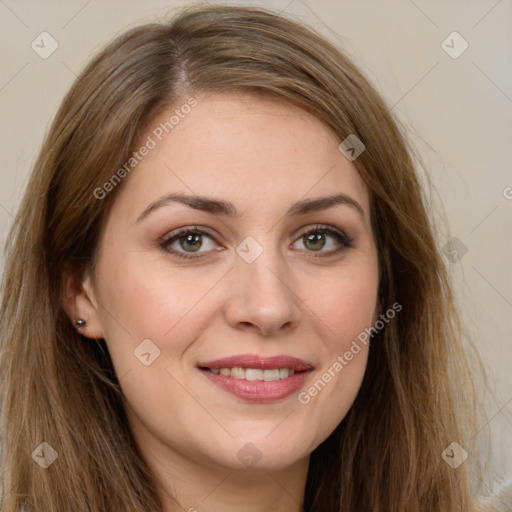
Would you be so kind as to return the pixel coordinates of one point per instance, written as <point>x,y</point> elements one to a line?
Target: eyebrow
<point>225,208</point>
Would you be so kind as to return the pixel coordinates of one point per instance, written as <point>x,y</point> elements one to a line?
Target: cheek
<point>345,304</point>
<point>151,315</point>
<point>145,298</point>
<point>345,308</point>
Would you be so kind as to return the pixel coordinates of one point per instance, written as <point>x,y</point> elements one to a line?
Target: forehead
<point>251,151</point>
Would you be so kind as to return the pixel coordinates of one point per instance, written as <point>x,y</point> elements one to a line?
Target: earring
<point>80,323</point>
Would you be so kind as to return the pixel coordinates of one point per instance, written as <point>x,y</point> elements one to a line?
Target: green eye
<point>316,241</point>
<point>318,238</point>
<point>187,241</point>
<point>192,242</point>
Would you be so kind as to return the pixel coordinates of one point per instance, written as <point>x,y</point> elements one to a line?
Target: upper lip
<point>259,362</point>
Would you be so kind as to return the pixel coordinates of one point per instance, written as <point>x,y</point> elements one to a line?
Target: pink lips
<point>258,391</point>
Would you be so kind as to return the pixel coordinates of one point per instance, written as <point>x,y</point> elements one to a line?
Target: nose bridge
<point>264,280</point>
<point>262,293</point>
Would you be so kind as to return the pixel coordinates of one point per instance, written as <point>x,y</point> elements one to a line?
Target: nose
<point>262,297</point>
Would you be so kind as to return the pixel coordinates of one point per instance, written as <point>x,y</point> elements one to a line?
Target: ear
<point>78,300</point>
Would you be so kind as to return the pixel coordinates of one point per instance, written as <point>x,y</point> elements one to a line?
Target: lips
<point>259,362</point>
<point>256,378</point>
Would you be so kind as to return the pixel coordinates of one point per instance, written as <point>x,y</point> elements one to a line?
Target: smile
<point>254,374</point>
<point>258,379</point>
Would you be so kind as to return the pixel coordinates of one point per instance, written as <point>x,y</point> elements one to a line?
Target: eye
<point>185,242</point>
<point>321,237</point>
<point>193,242</point>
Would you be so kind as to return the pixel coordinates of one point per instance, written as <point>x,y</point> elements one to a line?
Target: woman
<point>223,292</point>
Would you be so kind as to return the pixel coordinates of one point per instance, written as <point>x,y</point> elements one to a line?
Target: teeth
<point>238,373</point>
<point>269,375</point>
<point>254,374</point>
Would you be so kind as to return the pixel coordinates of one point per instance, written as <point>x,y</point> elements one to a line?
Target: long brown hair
<point>60,388</point>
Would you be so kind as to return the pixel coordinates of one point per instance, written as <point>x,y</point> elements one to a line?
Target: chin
<point>251,453</point>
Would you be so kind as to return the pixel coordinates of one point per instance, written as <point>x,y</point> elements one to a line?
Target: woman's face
<point>225,336</point>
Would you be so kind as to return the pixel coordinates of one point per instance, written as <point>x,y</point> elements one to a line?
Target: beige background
<point>458,112</point>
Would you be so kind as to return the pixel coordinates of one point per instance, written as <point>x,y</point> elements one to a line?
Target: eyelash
<point>169,239</point>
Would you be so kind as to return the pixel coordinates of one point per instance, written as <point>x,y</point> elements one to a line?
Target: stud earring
<point>80,323</point>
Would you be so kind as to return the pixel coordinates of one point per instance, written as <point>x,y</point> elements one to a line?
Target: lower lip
<point>259,391</point>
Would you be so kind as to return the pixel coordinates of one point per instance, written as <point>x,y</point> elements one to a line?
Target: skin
<point>262,156</point>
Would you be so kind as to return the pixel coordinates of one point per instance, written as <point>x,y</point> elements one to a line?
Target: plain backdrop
<point>452,91</point>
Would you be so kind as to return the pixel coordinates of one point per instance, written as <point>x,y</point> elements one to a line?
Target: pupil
<point>195,240</point>
<point>316,239</point>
